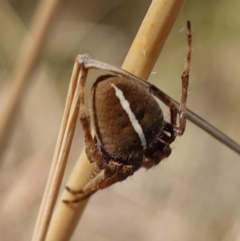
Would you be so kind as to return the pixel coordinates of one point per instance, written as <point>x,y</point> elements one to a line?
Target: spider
<point>129,128</point>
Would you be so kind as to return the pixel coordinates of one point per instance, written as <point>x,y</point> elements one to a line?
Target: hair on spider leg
<point>181,30</point>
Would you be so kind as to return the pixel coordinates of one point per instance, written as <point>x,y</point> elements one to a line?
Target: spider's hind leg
<point>90,188</point>
<point>115,172</point>
<point>185,83</point>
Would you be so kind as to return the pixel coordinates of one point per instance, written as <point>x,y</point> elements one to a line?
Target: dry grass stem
<point>139,61</point>
<point>25,64</point>
<point>59,159</point>
<point>154,31</point>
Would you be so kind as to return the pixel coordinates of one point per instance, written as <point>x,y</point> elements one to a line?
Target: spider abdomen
<point>125,116</point>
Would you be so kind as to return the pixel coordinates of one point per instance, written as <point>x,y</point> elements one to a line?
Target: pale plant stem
<point>50,193</point>
<point>151,37</point>
<point>140,60</point>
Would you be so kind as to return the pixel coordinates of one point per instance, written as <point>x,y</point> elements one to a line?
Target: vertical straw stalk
<point>59,159</point>
<point>140,60</point>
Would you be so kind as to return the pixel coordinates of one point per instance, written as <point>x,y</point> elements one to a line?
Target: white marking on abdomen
<point>126,106</point>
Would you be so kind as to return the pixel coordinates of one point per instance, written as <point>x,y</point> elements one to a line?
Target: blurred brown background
<point>195,193</point>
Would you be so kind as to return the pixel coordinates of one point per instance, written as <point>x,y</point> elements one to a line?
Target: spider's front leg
<point>92,152</point>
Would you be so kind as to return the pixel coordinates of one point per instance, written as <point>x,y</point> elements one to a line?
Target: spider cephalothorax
<point>129,128</point>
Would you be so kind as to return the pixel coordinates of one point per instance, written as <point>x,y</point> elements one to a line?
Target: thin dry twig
<point>59,159</point>
<point>213,131</point>
<point>140,60</point>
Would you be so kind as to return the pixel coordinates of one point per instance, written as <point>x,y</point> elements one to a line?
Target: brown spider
<point>130,131</point>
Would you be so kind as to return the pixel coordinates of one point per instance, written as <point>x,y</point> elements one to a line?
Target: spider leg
<point>160,149</point>
<point>174,110</point>
<point>90,188</point>
<point>92,152</point>
<point>185,82</point>
<point>157,151</point>
<point>115,172</point>
<point>170,128</point>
